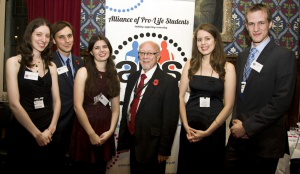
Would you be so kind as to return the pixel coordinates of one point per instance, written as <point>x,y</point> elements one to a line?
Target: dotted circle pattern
<point>125,9</point>
<point>115,158</point>
<point>142,35</point>
<point>125,43</point>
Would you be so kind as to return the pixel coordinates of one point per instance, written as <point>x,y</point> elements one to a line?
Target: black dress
<point>99,117</point>
<point>23,150</point>
<point>208,153</point>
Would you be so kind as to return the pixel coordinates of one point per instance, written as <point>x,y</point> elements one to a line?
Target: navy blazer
<point>67,114</point>
<point>266,98</point>
<point>156,118</point>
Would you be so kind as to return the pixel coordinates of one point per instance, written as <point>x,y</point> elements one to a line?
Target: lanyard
<point>61,59</point>
<point>63,62</point>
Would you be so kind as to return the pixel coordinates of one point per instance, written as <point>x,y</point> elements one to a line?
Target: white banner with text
<point>129,23</point>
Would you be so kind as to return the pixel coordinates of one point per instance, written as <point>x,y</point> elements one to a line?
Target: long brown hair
<point>26,49</point>
<point>112,83</point>
<point>217,58</point>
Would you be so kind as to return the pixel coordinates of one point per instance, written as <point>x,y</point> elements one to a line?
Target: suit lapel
<point>243,63</point>
<point>75,63</point>
<point>129,88</point>
<point>150,88</point>
<point>262,58</point>
<point>59,65</point>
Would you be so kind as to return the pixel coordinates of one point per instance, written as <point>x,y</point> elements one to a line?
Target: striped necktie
<point>250,59</point>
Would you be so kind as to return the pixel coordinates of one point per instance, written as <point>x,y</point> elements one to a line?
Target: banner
<point>129,23</point>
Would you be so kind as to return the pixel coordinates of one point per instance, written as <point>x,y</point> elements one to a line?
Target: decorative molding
<point>226,23</point>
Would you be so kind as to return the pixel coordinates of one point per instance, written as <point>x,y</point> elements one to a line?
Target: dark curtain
<point>56,10</point>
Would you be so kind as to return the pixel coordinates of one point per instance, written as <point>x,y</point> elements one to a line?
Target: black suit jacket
<point>67,114</point>
<point>266,98</point>
<point>156,118</point>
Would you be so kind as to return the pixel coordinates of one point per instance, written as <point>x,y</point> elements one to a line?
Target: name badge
<point>101,98</point>
<point>243,85</point>
<point>39,103</point>
<point>204,102</point>
<point>31,75</point>
<point>62,70</point>
<point>256,66</point>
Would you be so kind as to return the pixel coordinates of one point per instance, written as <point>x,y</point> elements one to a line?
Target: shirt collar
<point>262,45</point>
<point>64,58</point>
<point>150,73</point>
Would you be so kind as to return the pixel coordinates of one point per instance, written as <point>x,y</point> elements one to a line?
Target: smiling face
<point>40,38</point>
<point>258,26</point>
<point>64,41</point>
<point>100,51</point>
<point>149,54</point>
<point>205,42</point>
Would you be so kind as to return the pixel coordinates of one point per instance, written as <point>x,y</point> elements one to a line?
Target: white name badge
<point>101,98</point>
<point>204,102</point>
<point>62,70</point>
<point>31,75</point>
<point>38,103</point>
<point>256,66</point>
<point>243,85</point>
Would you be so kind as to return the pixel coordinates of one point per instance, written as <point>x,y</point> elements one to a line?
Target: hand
<point>104,136</point>
<point>47,133</point>
<point>197,135</point>
<point>188,133</point>
<point>42,140</point>
<point>162,158</point>
<point>238,130</point>
<point>95,139</point>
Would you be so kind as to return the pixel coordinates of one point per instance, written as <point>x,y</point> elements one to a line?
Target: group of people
<point>257,92</point>
<point>40,87</point>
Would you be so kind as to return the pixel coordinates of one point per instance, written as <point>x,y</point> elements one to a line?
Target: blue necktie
<point>247,69</point>
<point>69,70</point>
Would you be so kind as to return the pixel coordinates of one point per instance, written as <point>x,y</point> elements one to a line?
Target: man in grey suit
<point>266,76</point>
<point>67,65</point>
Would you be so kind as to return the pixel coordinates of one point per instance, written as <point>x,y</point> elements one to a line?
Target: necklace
<point>37,66</point>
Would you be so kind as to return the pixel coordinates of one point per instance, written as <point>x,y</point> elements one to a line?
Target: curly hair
<point>218,57</point>
<point>112,83</point>
<point>26,49</point>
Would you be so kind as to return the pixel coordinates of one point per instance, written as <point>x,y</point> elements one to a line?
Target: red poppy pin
<point>77,62</point>
<point>155,82</point>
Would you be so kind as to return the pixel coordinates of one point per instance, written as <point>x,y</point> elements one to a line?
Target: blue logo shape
<point>135,6</point>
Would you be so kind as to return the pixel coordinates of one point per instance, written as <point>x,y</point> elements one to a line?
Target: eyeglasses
<point>148,54</point>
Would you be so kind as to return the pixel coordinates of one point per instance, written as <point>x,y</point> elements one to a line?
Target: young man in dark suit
<point>150,114</point>
<point>67,66</point>
<point>265,83</point>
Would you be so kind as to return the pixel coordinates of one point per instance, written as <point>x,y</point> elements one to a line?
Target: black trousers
<point>240,158</point>
<point>152,167</point>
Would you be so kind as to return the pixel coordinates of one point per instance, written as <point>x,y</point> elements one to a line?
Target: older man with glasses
<point>150,114</point>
